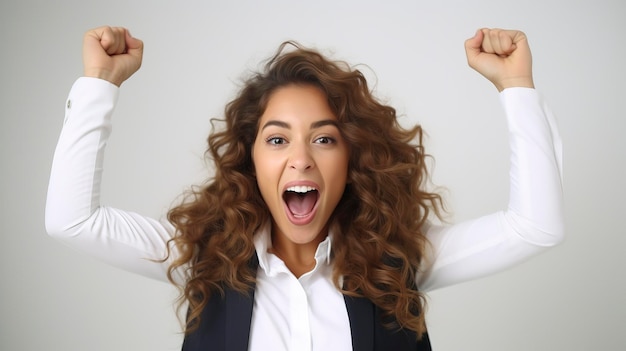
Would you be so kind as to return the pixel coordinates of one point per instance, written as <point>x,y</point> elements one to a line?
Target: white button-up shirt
<point>306,313</point>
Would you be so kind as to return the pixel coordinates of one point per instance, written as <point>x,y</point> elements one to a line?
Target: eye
<point>324,140</point>
<point>274,140</point>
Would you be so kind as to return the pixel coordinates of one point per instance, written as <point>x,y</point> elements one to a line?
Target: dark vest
<point>225,326</point>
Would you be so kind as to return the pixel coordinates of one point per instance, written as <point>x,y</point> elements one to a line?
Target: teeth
<point>300,189</point>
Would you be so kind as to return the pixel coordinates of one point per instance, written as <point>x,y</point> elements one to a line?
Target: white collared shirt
<point>306,313</point>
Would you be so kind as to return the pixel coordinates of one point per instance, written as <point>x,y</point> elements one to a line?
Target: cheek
<point>343,164</point>
<point>337,170</point>
<point>265,172</point>
<point>260,162</point>
<point>264,185</point>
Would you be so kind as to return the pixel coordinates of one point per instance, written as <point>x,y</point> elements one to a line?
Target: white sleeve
<point>534,218</point>
<point>73,211</point>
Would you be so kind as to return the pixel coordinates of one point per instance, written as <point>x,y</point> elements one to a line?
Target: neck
<point>299,258</point>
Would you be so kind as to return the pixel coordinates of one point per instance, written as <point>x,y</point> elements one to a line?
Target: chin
<point>301,235</point>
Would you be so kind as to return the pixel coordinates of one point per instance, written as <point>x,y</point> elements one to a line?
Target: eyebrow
<point>314,125</point>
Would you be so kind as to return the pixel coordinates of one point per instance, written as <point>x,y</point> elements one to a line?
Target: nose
<point>300,158</point>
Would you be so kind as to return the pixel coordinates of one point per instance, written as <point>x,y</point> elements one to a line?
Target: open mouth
<point>301,200</point>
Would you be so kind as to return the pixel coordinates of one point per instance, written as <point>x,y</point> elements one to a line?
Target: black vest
<point>225,325</point>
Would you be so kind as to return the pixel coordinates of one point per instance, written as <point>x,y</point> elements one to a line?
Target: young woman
<point>314,233</point>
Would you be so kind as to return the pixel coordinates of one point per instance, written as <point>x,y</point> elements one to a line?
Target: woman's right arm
<point>73,211</point>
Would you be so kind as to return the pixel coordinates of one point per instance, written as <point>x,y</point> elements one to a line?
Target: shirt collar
<point>263,242</point>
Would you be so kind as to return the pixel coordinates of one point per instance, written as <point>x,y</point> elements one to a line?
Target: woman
<point>314,233</point>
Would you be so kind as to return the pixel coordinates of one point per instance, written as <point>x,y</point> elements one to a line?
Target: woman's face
<point>301,162</point>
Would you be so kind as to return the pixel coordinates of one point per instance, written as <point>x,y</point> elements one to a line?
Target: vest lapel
<point>369,332</point>
<point>239,314</point>
<point>225,321</point>
<point>238,319</point>
<point>361,316</point>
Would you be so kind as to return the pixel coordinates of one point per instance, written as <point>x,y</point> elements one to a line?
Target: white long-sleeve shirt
<point>308,313</point>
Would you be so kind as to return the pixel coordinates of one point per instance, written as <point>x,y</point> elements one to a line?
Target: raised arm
<point>533,219</point>
<point>74,214</point>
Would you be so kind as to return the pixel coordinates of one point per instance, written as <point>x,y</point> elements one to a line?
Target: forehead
<point>297,102</point>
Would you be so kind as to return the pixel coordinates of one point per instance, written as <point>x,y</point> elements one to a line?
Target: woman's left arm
<point>534,218</point>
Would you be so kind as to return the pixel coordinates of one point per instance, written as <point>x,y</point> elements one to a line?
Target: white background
<point>571,298</point>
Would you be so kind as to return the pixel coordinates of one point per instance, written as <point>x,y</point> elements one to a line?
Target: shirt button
<point>69,103</point>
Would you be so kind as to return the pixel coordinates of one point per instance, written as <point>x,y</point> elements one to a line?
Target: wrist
<point>515,82</point>
<point>103,74</point>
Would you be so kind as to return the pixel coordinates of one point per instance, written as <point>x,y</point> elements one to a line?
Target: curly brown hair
<point>379,243</point>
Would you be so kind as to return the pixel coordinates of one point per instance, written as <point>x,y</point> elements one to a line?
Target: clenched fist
<point>502,56</point>
<point>111,53</point>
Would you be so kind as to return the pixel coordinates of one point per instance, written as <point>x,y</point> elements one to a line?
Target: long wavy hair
<point>379,242</point>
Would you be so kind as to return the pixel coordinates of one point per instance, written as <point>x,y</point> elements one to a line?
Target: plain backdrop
<point>573,297</point>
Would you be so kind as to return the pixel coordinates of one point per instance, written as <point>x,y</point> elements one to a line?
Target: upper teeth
<point>300,188</point>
